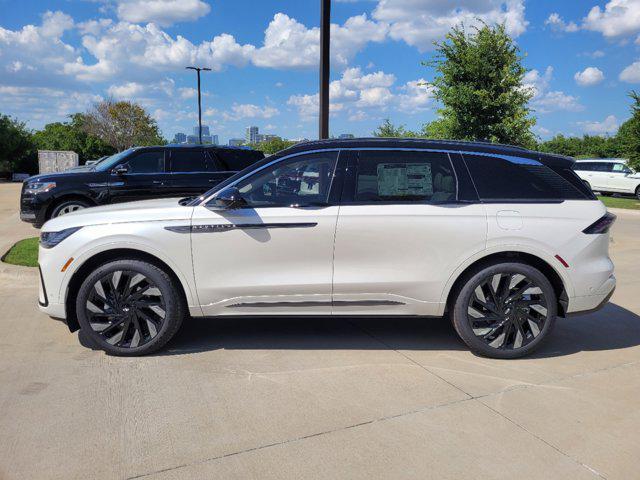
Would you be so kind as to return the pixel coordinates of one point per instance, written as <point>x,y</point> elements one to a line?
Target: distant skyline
<point>57,57</point>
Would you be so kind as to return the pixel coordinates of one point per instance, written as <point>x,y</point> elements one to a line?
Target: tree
<point>629,133</point>
<point>121,125</point>
<point>17,152</point>
<point>479,83</point>
<point>388,129</point>
<point>272,146</point>
<point>588,146</point>
<point>72,136</point>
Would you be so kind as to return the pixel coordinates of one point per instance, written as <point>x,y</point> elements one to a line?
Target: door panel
<point>264,260</point>
<point>275,254</point>
<point>146,178</point>
<point>401,233</point>
<point>619,181</point>
<point>397,258</point>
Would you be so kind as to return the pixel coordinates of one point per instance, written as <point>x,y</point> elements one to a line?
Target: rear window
<point>192,160</point>
<point>520,180</point>
<point>235,160</point>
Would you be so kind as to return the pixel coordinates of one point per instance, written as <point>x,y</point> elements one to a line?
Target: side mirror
<point>120,170</point>
<point>228,198</point>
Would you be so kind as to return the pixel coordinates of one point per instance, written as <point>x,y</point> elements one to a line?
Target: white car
<point>500,239</point>
<point>607,176</point>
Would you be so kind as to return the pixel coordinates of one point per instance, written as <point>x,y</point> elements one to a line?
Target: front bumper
<point>33,209</point>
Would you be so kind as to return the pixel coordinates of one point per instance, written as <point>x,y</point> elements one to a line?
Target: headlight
<point>51,239</point>
<point>34,188</point>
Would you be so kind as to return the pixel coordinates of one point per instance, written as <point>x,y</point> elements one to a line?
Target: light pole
<point>198,70</point>
<point>325,33</point>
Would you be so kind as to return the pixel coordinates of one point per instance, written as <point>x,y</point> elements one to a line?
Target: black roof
<point>452,145</point>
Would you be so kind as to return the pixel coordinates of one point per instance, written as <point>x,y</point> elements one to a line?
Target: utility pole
<point>198,70</point>
<point>325,33</point>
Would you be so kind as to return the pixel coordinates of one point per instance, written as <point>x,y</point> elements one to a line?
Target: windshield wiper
<point>186,200</point>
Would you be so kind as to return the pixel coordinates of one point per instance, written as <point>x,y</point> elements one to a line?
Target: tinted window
<point>188,161</point>
<point>302,180</point>
<point>403,176</point>
<point>237,159</point>
<point>583,166</point>
<point>601,167</point>
<point>146,162</point>
<point>499,179</point>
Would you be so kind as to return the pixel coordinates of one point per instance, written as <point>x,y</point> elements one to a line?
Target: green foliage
<point>25,253</point>
<point>588,146</point>
<point>389,130</point>
<point>72,136</point>
<point>17,152</point>
<point>271,146</point>
<point>479,83</point>
<point>121,125</point>
<point>629,133</point>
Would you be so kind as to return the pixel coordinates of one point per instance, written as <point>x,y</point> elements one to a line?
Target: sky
<point>59,57</point>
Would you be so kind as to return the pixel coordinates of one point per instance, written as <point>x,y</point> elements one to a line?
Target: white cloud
<point>589,77</point>
<point>545,100</point>
<point>608,126</point>
<point>161,12</point>
<point>127,90</point>
<point>618,18</point>
<point>248,110</point>
<point>356,92</point>
<point>556,23</point>
<point>187,92</point>
<point>631,74</point>
<point>419,22</point>
<point>126,50</point>
<point>290,44</point>
<point>37,49</point>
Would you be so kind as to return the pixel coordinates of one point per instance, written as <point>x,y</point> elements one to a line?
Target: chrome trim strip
<point>226,227</point>
<point>337,303</point>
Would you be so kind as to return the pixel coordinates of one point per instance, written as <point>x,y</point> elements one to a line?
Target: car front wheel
<point>505,310</point>
<point>129,307</point>
<point>68,206</point>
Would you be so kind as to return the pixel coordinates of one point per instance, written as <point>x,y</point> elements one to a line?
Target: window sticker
<point>404,179</point>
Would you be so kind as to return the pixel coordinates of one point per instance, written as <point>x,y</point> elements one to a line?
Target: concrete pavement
<point>295,398</point>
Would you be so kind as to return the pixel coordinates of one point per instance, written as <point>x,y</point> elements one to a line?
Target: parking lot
<point>292,398</point>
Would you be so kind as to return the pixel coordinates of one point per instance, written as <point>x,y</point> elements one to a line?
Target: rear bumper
<point>593,303</point>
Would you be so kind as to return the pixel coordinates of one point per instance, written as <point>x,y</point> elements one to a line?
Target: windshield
<point>110,162</point>
<point>234,178</point>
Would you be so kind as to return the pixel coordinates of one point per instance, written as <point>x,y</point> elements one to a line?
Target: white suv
<point>608,176</point>
<point>500,239</point>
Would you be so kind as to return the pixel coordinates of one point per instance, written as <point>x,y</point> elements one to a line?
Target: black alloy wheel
<point>504,310</point>
<point>129,307</point>
<point>126,309</point>
<point>507,311</point>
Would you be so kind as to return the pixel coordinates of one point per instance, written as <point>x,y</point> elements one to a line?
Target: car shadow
<point>612,328</point>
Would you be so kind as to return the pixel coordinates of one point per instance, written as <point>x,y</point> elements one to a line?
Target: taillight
<point>602,225</point>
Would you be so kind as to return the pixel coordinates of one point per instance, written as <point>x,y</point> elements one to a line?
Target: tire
<point>68,206</point>
<point>638,192</point>
<point>499,328</point>
<point>136,317</point>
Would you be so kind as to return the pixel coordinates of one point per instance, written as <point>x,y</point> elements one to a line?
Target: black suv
<point>136,174</point>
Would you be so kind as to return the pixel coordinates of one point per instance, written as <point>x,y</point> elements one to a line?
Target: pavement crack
<point>539,438</point>
<point>298,439</point>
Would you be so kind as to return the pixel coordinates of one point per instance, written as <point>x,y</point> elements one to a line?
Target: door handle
<point>157,182</point>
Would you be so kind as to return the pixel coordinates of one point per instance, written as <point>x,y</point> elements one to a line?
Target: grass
<point>621,202</point>
<point>25,253</point>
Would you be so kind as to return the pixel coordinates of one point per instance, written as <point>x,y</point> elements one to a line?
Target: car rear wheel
<point>129,307</point>
<point>68,206</point>
<point>505,310</point>
<point>638,192</point>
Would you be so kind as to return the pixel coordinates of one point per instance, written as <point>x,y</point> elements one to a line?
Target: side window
<point>146,162</point>
<point>583,166</point>
<point>602,167</point>
<point>192,160</point>
<point>302,180</point>
<point>620,168</point>
<point>500,179</point>
<point>398,176</point>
